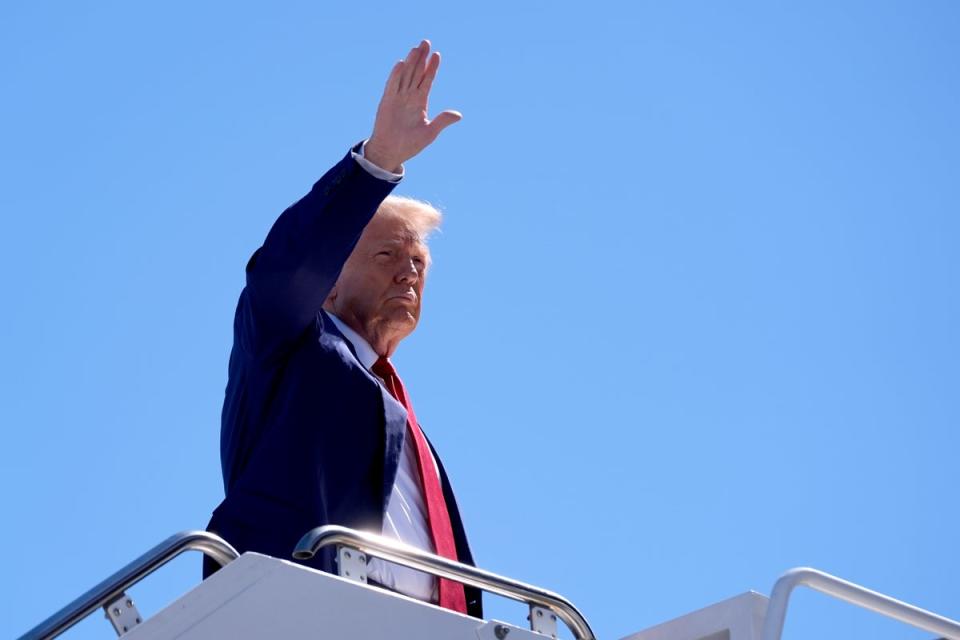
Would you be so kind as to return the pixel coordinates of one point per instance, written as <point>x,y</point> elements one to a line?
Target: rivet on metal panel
<point>543,621</point>
<point>351,565</point>
<point>122,614</point>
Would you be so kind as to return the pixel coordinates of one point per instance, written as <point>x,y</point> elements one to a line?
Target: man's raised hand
<point>403,127</point>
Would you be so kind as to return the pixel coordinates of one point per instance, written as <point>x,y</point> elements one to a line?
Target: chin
<point>409,320</point>
<point>404,321</point>
<point>404,312</point>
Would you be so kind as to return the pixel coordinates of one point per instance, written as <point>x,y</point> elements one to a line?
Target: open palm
<point>403,127</point>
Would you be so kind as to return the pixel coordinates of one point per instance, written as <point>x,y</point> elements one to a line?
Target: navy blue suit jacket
<point>309,436</point>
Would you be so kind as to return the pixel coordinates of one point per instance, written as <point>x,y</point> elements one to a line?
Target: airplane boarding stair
<point>257,596</point>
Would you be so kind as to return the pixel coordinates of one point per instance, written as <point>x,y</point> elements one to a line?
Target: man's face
<point>380,288</point>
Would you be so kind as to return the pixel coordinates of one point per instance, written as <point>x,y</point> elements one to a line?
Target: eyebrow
<point>421,247</point>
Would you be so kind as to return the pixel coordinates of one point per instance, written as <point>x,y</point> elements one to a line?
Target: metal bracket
<point>497,630</point>
<point>543,621</point>
<point>122,614</point>
<point>352,564</point>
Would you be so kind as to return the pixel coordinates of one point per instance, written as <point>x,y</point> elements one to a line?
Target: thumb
<point>444,120</point>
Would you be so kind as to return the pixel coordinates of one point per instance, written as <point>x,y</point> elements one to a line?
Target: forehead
<point>392,230</point>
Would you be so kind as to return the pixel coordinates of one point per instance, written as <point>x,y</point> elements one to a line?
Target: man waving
<point>317,426</point>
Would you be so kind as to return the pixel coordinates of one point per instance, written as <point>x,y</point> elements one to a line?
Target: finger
<point>412,65</point>
<point>405,69</point>
<point>393,80</point>
<point>442,121</point>
<point>430,73</point>
<point>422,62</point>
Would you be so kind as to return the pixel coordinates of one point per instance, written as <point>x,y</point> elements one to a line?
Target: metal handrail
<point>211,545</point>
<point>408,556</point>
<point>854,594</point>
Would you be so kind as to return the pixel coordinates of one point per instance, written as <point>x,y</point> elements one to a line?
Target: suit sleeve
<point>290,276</point>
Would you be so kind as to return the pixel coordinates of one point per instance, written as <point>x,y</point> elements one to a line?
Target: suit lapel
<point>395,430</point>
<point>394,415</point>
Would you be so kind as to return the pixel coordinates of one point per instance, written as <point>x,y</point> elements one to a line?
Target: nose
<point>407,273</point>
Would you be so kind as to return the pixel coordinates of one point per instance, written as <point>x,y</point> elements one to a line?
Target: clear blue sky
<point>693,318</point>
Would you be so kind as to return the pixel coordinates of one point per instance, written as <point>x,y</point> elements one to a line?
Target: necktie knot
<point>383,368</point>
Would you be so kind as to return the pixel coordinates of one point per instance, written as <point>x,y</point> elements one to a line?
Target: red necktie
<point>451,593</point>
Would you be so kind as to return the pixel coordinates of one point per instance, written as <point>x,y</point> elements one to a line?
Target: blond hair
<point>421,217</point>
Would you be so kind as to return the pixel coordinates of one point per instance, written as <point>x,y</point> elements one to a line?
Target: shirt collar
<point>365,352</point>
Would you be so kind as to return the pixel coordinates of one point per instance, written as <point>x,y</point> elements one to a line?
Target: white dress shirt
<point>373,169</point>
<point>406,517</point>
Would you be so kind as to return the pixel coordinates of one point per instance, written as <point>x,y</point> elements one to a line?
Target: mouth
<point>407,296</point>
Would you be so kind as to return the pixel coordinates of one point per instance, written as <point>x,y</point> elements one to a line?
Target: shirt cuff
<point>374,170</point>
